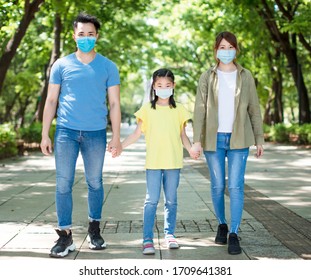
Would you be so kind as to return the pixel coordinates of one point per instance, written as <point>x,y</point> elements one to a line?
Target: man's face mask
<point>86,44</point>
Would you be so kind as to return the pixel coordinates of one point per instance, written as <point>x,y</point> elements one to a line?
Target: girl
<point>163,122</point>
<point>227,121</point>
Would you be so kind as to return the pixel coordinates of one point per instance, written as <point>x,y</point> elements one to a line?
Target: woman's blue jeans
<point>170,180</point>
<point>92,145</point>
<point>216,162</point>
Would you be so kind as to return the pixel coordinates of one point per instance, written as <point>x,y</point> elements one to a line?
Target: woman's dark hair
<point>230,38</point>
<point>85,18</point>
<point>157,74</point>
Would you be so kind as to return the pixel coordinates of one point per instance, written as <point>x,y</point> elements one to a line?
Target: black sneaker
<point>222,232</point>
<point>63,246</point>
<point>96,242</point>
<point>234,244</point>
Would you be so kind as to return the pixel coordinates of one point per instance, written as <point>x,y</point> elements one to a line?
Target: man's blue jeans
<point>216,162</point>
<point>170,180</point>
<point>92,145</point>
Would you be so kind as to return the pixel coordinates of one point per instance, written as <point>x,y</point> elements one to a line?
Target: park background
<point>142,36</point>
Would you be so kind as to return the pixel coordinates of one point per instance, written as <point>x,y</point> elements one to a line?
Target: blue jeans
<point>216,162</point>
<point>170,179</point>
<point>92,145</point>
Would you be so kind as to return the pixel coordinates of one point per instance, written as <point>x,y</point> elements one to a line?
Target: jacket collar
<point>238,66</point>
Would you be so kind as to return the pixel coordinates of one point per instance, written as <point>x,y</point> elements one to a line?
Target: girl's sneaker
<point>171,241</point>
<point>148,247</point>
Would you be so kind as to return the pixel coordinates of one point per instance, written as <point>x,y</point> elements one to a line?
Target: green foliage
<point>32,133</point>
<point>141,36</point>
<point>293,133</point>
<point>303,133</point>
<point>279,133</point>
<point>8,146</point>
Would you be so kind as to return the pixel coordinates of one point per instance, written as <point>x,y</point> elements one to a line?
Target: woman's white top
<point>227,86</point>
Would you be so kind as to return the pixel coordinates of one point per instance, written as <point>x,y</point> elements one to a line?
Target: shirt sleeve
<point>184,114</point>
<point>55,75</point>
<point>141,114</point>
<point>113,75</point>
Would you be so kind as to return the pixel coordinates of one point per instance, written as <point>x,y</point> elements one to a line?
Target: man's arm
<point>48,116</point>
<point>115,117</point>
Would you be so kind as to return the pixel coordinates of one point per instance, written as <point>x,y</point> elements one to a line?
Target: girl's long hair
<point>157,74</point>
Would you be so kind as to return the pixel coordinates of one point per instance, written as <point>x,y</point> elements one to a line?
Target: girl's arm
<point>187,144</point>
<point>132,138</point>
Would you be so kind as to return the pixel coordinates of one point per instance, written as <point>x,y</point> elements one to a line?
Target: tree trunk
<point>295,68</point>
<point>54,56</point>
<point>290,52</point>
<point>278,103</point>
<point>11,47</point>
<point>268,115</point>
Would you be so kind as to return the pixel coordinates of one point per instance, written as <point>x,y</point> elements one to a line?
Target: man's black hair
<point>85,18</point>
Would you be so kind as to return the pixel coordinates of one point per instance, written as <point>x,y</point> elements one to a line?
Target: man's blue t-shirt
<point>83,91</point>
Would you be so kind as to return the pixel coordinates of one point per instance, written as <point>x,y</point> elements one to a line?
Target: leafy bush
<point>32,133</point>
<point>304,133</point>
<point>8,146</point>
<point>279,133</point>
<point>294,133</point>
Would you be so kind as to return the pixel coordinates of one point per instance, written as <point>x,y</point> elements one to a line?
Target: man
<point>79,84</point>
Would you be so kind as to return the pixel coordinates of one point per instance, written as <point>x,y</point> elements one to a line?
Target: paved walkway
<point>276,221</point>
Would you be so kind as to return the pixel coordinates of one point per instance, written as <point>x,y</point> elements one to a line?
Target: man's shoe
<point>222,232</point>
<point>64,244</point>
<point>96,242</point>
<point>234,244</point>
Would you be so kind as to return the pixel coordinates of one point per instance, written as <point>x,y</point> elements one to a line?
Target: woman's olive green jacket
<point>247,126</point>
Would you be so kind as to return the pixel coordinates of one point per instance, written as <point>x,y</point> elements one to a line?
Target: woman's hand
<point>196,150</point>
<point>259,152</point>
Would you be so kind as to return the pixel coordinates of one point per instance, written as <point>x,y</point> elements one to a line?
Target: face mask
<point>164,93</point>
<point>226,56</point>
<point>86,44</point>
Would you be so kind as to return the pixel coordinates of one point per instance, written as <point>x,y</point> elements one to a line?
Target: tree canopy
<point>142,36</point>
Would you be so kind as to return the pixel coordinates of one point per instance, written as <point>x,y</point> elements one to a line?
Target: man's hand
<point>114,147</point>
<point>46,146</point>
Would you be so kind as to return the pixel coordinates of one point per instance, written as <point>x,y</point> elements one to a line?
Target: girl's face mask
<point>164,93</point>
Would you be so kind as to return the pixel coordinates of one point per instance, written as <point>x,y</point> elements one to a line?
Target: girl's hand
<point>113,152</point>
<point>194,154</point>
<point>196,150</point>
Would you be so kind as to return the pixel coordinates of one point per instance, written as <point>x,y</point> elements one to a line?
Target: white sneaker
<point>171,241</point>
<point>148,247</point>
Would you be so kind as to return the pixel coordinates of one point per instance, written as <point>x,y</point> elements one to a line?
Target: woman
<point>227,121</point>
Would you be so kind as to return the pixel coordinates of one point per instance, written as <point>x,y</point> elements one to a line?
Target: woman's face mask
<point>226,56</point>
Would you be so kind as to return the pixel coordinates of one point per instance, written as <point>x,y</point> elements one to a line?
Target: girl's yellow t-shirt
<point>162,129</point>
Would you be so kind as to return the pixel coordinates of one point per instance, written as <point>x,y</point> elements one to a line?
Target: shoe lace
<point>95,232</point>
<point>234,240</point>
<point>62,240</point>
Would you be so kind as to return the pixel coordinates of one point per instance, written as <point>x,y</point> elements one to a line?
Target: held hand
<point>196,150</point>
<point>46,146</point>
<point>194,154</point>
<point>115,148</point>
